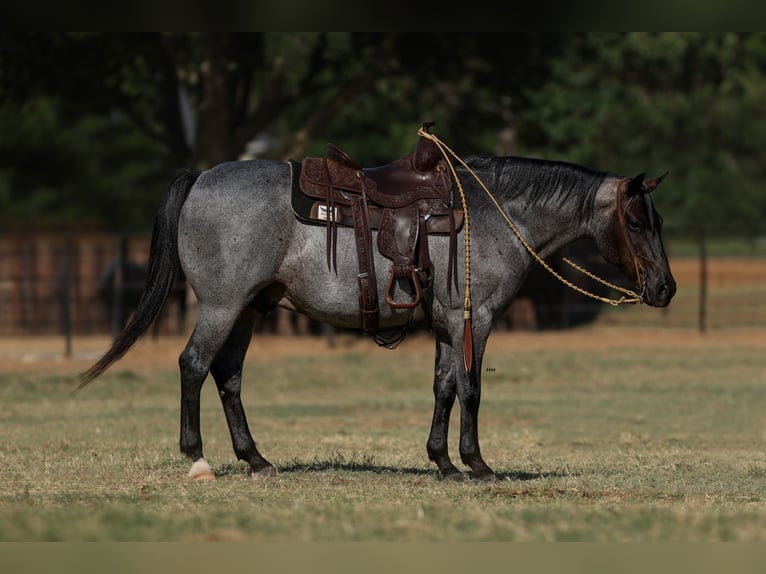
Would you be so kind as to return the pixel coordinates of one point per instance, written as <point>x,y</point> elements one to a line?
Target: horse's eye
<point>634,226</point>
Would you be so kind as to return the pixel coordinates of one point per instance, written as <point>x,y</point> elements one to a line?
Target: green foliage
<point>93,124</point>
<point>689,103</point>
<point>88,169</point>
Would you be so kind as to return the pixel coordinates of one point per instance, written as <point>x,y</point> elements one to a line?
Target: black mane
<point>538,181</point>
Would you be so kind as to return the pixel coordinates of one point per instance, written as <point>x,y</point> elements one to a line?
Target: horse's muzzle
<point>661,295</point>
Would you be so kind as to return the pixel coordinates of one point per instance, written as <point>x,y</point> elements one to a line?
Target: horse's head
<point>630,238</point>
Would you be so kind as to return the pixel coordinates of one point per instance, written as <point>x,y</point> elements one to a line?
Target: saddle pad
<point>300,203</point>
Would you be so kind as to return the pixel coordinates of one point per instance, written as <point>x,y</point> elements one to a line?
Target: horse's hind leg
<point>227,372</point>
<point>210,334</point>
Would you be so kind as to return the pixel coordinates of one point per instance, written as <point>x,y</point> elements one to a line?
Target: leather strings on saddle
<point>405,201</point>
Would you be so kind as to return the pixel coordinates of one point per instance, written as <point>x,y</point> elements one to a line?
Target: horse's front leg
<point>469,394</point>
<point>445,390</point>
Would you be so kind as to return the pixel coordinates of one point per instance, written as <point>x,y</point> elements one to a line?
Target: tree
<point>95,123</point>
<point>163,101</point>
<point>641,101</point>
<point>173,99</point>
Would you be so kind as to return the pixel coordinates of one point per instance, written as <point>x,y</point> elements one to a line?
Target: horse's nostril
<point>665,292</point>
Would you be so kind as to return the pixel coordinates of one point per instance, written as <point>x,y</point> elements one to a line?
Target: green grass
<point>628,444</point>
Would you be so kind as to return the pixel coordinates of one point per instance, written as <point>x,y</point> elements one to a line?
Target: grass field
<point>601,434</point>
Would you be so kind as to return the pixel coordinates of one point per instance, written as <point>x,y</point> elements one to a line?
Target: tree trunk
<point>215,140</point>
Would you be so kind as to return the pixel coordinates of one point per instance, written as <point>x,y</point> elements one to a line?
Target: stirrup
<point>418,293</point>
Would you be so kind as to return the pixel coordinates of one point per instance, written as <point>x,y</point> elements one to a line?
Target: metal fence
<point>58,282</point>
<point>88,282</point>
<point>734,297</point>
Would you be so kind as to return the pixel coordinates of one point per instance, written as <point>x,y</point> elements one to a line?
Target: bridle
<point>621,211</point>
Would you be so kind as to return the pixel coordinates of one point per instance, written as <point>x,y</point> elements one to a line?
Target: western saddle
<point>404,201</point>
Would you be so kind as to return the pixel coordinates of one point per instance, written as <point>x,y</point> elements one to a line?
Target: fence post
<point>118,303</point>
<point>66,296</point>
<point>702,322</point>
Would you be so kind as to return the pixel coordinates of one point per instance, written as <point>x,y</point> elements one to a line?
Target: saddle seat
<point>419,175</point>
<point>404,201</point>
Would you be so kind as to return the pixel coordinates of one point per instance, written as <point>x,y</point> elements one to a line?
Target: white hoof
<point>201,470</point>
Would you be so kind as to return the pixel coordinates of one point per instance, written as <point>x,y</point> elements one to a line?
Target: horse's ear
<point>635,185</point>
<point>651,184</point>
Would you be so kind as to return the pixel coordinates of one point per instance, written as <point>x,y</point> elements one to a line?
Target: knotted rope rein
<point>627,297</point>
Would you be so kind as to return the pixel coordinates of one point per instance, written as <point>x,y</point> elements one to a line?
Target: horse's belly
<point>341,308</point>
<point>332,295</point>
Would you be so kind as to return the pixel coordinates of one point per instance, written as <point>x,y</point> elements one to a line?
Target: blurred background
<point>93,126</point>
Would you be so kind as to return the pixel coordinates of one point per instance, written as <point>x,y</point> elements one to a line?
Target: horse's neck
<point>553,233</point>
<point>549,225</point>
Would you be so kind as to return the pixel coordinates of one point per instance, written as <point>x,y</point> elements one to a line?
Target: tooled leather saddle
<point>405,201</point>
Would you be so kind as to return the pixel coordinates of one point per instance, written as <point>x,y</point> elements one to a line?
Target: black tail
<point>163,271</point>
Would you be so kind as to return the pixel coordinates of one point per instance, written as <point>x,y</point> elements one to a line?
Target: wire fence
<point>88,283</point>
<point>734,296</point>
<point>67,283</point>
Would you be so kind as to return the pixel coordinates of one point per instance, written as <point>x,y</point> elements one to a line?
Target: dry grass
<point>599,434</point>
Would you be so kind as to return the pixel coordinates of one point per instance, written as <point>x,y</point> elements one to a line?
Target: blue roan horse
<point>232,232</point>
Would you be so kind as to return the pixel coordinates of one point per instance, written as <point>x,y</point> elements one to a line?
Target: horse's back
<point>247,182</point>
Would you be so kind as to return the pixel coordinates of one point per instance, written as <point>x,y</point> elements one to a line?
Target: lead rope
<point>628,297</point>
<point>467,329</point>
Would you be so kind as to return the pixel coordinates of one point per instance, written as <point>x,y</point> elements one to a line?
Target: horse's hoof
<point>201,470</point>
<point>455,476</point>
<point>263,472</point>
<point>485,477</point>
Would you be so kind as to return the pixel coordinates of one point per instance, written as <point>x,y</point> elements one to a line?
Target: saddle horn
<point>427,153</point>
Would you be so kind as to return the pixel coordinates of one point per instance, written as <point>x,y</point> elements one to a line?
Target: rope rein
<point>628,295</point>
